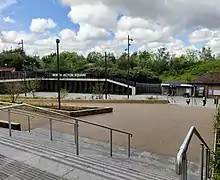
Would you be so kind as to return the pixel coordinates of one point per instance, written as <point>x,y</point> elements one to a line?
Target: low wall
<point>86,112</point>
<point>14,126</point>
<point>40,100</point>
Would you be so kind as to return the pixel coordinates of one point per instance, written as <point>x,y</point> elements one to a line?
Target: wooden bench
<point>14,125</point>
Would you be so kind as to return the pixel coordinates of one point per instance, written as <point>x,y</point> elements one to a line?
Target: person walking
<point>188,100</point>
<point>204,100</point>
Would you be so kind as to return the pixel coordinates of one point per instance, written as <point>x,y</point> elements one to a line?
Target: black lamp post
<point>58,71</point>
<point>24,67</point>
<point>128,64</point>
<point>106,71</point>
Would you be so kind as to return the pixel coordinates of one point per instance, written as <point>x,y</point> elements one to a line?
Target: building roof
<point>176,84</point>
<point>213,77</point>
<point>7,69</point>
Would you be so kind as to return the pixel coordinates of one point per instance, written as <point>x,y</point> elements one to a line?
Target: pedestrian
<point>204,100</point>
<point>188,100</point>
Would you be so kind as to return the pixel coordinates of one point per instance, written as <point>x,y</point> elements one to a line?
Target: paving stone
<point>15,154</point>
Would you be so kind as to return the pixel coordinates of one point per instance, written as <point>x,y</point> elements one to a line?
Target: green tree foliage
<point>159,65</point>
<point>63,93</point>
<point>33,86</point>
<point>18,59</point>
<point>14,89</point>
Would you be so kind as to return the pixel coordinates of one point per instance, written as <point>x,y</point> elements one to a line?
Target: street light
<point>58,71</point>
<point>128,65</point>
<point>106,71</point>
<point>24,68</point>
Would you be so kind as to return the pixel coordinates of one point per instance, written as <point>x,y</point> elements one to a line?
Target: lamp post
<point>106,91</point>
<point>58,71</point>
<point>128,64</point>
<point>24,68</point>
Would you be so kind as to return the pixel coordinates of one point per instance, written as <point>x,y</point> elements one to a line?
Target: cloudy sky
<point>103,25</point>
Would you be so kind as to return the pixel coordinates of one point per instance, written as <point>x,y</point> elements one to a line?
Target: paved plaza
<point>155,128</point>
<point>180,100</point>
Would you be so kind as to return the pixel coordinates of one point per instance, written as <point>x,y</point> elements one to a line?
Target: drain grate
<point>15,170</point>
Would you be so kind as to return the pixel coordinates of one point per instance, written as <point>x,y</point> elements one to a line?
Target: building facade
<point>208,85</point>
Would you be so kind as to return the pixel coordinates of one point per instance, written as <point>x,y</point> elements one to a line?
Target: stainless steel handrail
<point>26,113</point>
<point>77,120</point>
<point>181,159</point>
<point>76,123</point>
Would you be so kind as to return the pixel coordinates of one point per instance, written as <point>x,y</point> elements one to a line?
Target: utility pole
<point>106,89</point>
<point>128,65</point>
<point>24,68</point>
<point>58,71</point>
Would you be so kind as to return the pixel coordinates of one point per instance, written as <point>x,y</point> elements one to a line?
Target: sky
<point>104,25</point>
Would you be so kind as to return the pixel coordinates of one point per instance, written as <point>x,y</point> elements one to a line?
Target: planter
<point>14,125</point>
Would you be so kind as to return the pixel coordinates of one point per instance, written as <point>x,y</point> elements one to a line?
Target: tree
<point>206,54</point>
<point>63,93</point>
<point>16,58</point>
<point>145,66</point>
<point>94,57</point>
<point>33,86</point>
<point>98,90</point>
<point>14,89</point>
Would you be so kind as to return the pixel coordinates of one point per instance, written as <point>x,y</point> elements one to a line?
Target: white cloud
<point>67,34</point>
<point>127,23</point>
<point>201,35</point>
<point>97,14</point>
<point>6,3</point>
<point>8,20</point>
<point>152,24</point>
<point>15,37</point>
<point>89,32</point>
<point>181,14</point>
<point>40,25</point>
<point>214,44</point>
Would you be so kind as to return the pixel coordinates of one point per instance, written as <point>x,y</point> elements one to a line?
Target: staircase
<point>56,159</point>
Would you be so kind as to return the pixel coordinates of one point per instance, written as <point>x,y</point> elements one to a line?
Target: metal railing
<point>75,122</point>
<point>181,159</point>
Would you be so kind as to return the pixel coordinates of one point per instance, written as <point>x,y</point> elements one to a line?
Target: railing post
<point>51,131</point>
<point>77,137</point>
<point>110,142</point>
<point>9,121</point>
<point>207,165</point>
<point>184,168</point>
<point>129,145</point>
<point>202,161</point>
<point>75,133</point>
<point>29,124</point>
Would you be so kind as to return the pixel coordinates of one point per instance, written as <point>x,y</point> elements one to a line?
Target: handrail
<point>26,113</point>
<point>76,124</point>
<point>78,119</point>
<point>11,106</point>
<point>181,159</point>
<point>20,113</point>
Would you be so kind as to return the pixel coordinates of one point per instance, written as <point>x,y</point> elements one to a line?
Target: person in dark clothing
<point>188,100</point>
<point>204,100</point>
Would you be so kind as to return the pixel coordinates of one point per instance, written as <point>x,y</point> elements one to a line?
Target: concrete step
<point>63,151</point>
<point>15,170</point>
<point>80,163</point>
<point>101,149</point>
<point>163,165</point>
